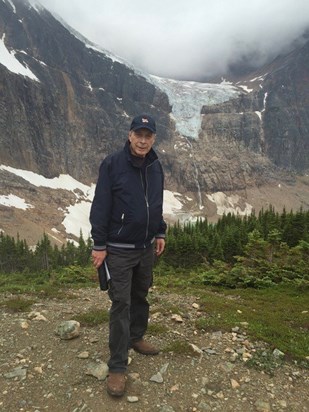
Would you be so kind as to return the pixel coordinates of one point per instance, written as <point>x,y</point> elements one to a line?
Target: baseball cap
<point>143,121</point>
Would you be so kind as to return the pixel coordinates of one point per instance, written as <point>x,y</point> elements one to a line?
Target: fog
<point>184,39</point>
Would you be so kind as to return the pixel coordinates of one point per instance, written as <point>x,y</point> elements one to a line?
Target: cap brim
<point>143,127</point>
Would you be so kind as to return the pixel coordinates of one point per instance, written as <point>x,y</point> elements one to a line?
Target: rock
<point>38,369</point>
<point>83,355</point>
<point>24,324</point>
<point>262,406</point>
<point>132,399</point>
<point>69,329</point>
<point>177,318</point>
<point>210,351</point>
<point>283,404</point>
<point>167,408</point>
<point>203,406</point>
<point>18,372</point>
<point>196,349</point>
<point>164,368</point>
<point>234,384</point>
<point>216,335</point>
<point>174,388</point>
<point>277,353</point>
<point>195,306</point>
<point>37,316</point>
<point>236,329</point>
<point>98,370</point>
<point>158,378</point>
<point>134,376</point>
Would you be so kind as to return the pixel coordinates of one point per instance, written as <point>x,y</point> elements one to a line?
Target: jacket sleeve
<point>100,212</point>
<point>162,230</point>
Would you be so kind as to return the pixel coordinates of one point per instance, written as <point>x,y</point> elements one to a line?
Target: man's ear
<point>129,136</point>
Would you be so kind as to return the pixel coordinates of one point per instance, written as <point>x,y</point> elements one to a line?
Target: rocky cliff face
<point>80,106</point>
<point>64,105</point>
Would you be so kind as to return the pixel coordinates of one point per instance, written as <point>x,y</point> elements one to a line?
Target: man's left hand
<point>160,246</point>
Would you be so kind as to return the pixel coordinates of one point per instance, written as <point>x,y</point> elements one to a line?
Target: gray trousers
<point>131,278</point>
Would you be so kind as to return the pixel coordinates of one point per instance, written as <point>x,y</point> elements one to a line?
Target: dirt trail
<point>214,377</point>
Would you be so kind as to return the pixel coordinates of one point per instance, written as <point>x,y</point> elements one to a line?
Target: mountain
<point>65,103</point>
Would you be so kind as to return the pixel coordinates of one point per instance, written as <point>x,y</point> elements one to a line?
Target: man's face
<point>141,141</point>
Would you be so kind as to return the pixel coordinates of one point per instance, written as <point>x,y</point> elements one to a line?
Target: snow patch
<point>14,201</point>
<point>259,114</point>
<point>9,60</point>
<point>171,204</point>
<point>76,220</point>
<point>229,204</point>
<point>245,88</point>
<point>12,5</point>
<point>65,182</point>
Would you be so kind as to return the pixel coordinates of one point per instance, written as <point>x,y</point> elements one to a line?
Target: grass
<point>179,347</point>
<point>50,284</point>
<point>93,317</point>
<point>18,304</point>
<point>156,329</point>
<point>278,316</point>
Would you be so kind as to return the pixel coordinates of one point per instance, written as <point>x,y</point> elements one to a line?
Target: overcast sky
<point>187,39</point>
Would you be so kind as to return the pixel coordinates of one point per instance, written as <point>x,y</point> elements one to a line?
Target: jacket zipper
<point>146,197</point>
<point>122,219</point>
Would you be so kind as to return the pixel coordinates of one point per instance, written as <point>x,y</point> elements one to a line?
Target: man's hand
<point>160,245</point>
<point>98,257</point>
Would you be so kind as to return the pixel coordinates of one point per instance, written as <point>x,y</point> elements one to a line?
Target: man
<point>127,224</point>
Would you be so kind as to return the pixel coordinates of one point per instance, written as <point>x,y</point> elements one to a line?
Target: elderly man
<point>127,230</point>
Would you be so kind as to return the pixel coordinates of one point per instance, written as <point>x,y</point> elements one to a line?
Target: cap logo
<point>145,120</point>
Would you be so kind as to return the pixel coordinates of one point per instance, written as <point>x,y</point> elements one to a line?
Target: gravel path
<point>39,371</point>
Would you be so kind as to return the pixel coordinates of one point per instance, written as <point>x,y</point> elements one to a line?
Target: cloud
<point>187,39</point>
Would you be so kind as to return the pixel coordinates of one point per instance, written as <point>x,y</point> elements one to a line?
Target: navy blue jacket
<point>126,211</point>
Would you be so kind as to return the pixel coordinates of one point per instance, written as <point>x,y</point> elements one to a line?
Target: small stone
<point>216,335</point>
<point>164,368</point>
<point>277,353</point>
<point>158,378</point>
<point>196,349</point>
<point>177,318</point>
<point>98,370</point>
<point>83,355</point>
<point>194,395</point>
<point>283,404</point>
<point>203,406</point>
<point>18,372</point>
<point>262,406</point>
<point>132,399</point>
<point>69,329</point>
<point>24,324</point>
<point>38,369</point>
<point>234,384</point>
<point>37,316</point>
<point>174,388</point>
<point>134,376</point>
<point>195,305</point>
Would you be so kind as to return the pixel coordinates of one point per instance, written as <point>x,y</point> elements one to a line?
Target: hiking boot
<point>116,383</point>
<point>144,348</point>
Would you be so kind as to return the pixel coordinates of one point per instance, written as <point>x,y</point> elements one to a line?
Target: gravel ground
<point>39,371</point>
